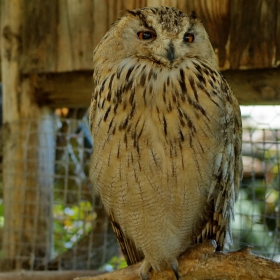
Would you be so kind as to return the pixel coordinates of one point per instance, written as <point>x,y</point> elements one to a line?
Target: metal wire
<point>77,232</point>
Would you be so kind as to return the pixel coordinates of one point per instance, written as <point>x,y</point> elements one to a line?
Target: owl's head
<point>163,35</point>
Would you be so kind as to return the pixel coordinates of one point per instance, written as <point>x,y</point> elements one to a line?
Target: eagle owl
<point>167,137</point>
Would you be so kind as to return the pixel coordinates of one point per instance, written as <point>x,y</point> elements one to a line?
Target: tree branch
<point>201,262</point>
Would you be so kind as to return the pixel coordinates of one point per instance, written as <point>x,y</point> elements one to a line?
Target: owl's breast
<point>165,125</point>
<point>157,137</point>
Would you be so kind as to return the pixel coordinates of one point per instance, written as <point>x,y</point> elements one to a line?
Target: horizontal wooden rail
<point>73,89</point>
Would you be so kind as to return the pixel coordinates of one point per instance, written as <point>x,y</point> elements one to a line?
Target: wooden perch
<point>201,262</point>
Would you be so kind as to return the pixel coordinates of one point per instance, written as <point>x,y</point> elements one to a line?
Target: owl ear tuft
<point>193,15</point>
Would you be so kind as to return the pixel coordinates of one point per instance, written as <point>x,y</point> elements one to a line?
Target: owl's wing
<point>92,109</point>
<point>224,189</point>
<point>128,248</point>
<point>131,254</point>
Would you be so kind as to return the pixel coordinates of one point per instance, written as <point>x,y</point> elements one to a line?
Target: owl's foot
<point>145,270</point>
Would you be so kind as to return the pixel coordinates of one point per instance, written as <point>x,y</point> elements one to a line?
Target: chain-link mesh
<point>77,234</point>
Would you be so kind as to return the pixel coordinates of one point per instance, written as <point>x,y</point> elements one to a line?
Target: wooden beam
<point>255,87</point>
<point>73,89</point>
<point>28,155</point>
<point>70,89</point>
<point>47,275</point>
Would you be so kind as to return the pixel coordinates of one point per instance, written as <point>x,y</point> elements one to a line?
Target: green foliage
<point>71,223</point>
<point>117,262</point>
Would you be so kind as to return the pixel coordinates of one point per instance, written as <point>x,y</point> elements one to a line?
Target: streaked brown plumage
<point>167,136</point>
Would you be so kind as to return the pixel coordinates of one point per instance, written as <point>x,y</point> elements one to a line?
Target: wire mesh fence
<point>49,218</point>
<point>257,214</point>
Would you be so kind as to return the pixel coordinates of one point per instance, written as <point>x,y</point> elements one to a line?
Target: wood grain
<point>27,193</point>
<point>253,34</point>
<point>60,36</point>
<point>277,56</point>
<point>251,87</point>
<point>201,263</point>
<point>38,36</point>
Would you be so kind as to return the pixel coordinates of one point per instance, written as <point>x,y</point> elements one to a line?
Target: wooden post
<point>28,154</point>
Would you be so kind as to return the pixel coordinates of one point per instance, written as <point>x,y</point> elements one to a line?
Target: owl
<point>167,137</point>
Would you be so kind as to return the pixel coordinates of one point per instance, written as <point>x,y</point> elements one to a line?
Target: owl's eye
<point>146,35</point>
<point>189,37</point>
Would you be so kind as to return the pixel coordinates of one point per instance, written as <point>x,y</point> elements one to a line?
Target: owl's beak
<point>171,52</point>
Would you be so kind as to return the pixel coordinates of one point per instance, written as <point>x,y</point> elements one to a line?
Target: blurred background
<point>49,217</point>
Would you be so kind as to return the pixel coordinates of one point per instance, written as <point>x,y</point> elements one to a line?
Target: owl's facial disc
<point>164,36</point>
<point>164,47</point>
<point>162,42</point>
<point>150,35</point>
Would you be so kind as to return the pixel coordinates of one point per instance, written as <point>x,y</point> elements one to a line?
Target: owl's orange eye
<point>146,35</point>
<point>188,37</point>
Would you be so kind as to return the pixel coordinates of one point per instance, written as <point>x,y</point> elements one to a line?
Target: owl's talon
<point>145,270</point>
<point>144,277</point>
<point>174,267</point>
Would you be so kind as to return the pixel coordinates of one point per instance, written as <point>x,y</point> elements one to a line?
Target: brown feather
<point>129,251</point>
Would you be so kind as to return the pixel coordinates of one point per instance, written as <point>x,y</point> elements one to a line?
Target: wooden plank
<point>10,55</point>
<point>131,5</point>
<point>39,49</point>
<point>100,20</point>
<point>251,87</point>
<point>277,56</point>
<point>256,86</point>
<point>215,16</point>
<point>80,19</point>
<point>74,35</point>
<point>117,9</point>
<point>64,40</point>
<point>59,36</point>
<point>154,3</point>
<point>253,34</point>
<point>27,233</point>
<point>170,3</point>
<point>71,89</point>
